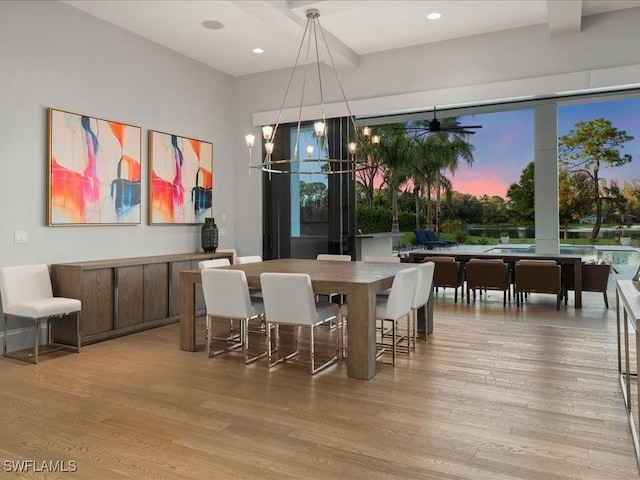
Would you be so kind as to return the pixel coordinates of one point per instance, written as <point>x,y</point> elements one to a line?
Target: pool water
<point>587,252</point>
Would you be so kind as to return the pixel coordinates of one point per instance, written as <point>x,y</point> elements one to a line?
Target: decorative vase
<point>209,235</point>
<point>626,241</point>
<point>504,239</point>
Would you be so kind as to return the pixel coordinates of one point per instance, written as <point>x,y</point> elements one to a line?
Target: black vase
<point>209,235</point>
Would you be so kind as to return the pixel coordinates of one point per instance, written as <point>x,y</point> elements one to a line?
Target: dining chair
<point>381,258</point>
<point>214,263</point>
<point>333,257</point>
<point>226,295</point>
<point>488,274</point>
<point>421,296</point>
<point>538,276</point>
<point>249,259</point>
<point>26,293</point>
<point>334,297</point>
<point>448,273</point>
<point>595,278</point>
<point>289,300</point>
<point>254,292</point>
<point>396,307</point>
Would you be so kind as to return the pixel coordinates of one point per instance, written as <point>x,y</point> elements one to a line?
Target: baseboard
<point>21,338</point>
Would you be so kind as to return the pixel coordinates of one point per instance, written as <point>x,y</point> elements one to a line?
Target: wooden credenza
<point>127,295</point>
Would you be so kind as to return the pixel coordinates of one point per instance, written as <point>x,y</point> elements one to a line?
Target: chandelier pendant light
<point>316,156</point>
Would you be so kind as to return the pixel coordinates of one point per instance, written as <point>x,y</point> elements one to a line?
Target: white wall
<point>52,55</point>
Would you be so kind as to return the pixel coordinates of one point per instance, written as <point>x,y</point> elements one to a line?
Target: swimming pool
<point>615,256</point>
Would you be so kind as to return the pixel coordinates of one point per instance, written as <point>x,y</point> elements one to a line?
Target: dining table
<point>359,281</point>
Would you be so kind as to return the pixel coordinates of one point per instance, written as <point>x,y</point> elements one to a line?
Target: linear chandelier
<point>314,156</point>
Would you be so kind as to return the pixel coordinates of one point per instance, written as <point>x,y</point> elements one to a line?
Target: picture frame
<point>180,179</point>
<point>94,170</point>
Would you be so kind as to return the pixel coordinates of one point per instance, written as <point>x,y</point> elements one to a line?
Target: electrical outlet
<point>20,236</point>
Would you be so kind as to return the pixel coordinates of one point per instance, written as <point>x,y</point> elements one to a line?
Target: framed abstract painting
<point>180,179</point>
<point>94,170</point>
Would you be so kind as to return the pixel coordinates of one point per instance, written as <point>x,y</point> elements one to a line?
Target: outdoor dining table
<point>359,281</point>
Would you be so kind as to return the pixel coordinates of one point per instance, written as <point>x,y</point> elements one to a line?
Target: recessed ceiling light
<point>434,16</point>
<point>212,24</point>
<point>258,50</point>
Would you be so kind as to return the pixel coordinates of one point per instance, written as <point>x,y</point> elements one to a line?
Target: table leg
<point>361,333</point>
<point>577,282</point>
<point>187,314</point>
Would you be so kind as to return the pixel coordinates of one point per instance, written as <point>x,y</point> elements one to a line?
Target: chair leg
<point>606,299</point>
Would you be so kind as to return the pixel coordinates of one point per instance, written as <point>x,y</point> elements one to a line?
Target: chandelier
<point>314,156</point>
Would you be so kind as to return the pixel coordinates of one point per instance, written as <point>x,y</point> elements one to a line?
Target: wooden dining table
<point>359,281</point>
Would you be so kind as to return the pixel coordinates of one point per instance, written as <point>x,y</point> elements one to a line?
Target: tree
<point>436,153</point>
<point>367,154</point>
<point>575,198</point>
<point>522,197</point>
<point>394,152</point>
<point>587,146</point>
<point>616,201</point>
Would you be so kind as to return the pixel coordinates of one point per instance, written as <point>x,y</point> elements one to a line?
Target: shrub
<point>461,236</point>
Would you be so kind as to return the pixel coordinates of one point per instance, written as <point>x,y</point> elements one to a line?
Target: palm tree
<point>438,151</point>
<point>395,154</point>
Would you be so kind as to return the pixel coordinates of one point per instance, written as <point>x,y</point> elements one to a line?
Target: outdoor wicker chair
<point>595,277</point>
<point>487,274</point>
<point>538,276</point>
<point>448,273</point>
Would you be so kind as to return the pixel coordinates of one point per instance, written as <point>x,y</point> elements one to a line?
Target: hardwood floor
<point>495,393</point>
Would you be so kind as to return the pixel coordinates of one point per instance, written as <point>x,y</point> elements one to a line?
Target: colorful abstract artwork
<point>94,171</point>
<point>181,179</point>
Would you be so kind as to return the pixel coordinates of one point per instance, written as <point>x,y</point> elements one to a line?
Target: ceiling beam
<point>272,9</point>
<point>565,16</point>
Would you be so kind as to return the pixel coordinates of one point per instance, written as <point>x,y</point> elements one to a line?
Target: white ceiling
<point>353,27</point>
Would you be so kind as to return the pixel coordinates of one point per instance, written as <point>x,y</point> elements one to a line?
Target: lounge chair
<point>432,237</point>
<point>423,240</point>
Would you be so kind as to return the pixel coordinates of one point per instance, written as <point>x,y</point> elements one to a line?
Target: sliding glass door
<point>309,210</point>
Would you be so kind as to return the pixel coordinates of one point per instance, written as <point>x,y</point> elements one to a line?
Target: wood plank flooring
<point>493,394</point>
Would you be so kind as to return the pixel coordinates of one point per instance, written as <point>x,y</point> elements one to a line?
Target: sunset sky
<point>504,145</point>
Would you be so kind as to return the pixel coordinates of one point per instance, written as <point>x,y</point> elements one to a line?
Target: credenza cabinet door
<point>97,301</point>
<point>130,291</point>
<point>156,291</point>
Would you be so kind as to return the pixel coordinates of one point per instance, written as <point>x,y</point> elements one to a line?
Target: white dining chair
<point>27,293</point>
<point>226,296</point>
<point>334,297</point>
<point>249,259</point>
<point>421,296</point>
<point>214,263</point>
<point>393,309</point>
<point>243,260</point>
<point>289,300</point>
<point>381,258</point>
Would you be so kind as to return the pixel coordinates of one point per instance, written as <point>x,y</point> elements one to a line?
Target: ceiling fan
<point>452,126</point>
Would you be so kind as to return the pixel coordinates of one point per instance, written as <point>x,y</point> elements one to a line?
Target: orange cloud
<point>479,183</point>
